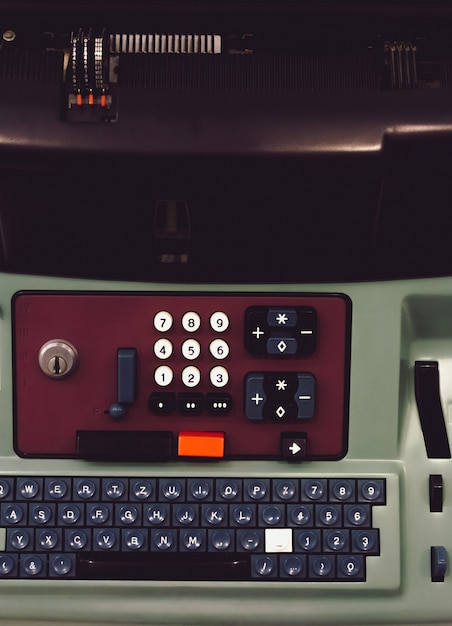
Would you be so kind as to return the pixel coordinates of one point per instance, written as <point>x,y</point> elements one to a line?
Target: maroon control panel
<point>154,377</point>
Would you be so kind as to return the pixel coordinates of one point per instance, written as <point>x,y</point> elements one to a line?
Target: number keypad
<point>202,351</point>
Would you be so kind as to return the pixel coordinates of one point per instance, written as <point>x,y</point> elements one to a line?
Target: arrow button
<point>293,446</point>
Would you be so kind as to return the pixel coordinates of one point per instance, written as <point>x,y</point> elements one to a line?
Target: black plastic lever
<point>426,387</point>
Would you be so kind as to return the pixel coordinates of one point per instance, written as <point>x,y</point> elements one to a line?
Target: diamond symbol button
<point>280,412</point>
<point>282,345</point>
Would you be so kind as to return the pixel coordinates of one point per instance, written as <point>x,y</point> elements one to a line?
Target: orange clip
<point>201,444</point>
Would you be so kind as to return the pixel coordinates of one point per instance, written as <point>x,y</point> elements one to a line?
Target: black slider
<point>127,381</point>
<point>426,387</point>
<point>436,493</point>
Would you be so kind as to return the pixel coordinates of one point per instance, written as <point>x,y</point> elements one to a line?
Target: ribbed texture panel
<point>31,65</point>
<point>248,73</point>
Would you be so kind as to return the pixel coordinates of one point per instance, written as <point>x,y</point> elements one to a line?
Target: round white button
<point>163,348</point>
<point>163,320</point>
<point>219,376</point>
<point>191,376</point>
<point>191,322</point>
<point>219,349</point>
<point>219,321</point>
<point>163,375</point>
<point>191,349</point>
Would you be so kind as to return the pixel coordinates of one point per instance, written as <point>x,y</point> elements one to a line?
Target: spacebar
<point>154,566</point>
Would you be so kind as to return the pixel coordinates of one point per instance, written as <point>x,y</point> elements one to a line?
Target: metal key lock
<point>58,358</point>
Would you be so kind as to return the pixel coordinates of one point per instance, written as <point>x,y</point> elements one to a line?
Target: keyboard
<point>308,529</point>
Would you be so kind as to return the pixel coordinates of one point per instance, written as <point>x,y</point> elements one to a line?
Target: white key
<point>191,349</point>
<point>219,321</point>
<point>219,349</point>
<point>163,321</point>
<point>191,376</point>
<point>163,348</point>
<point>278,540</point>
<point>191,322</point>
<point>219,376</point>
<point>163,375</point>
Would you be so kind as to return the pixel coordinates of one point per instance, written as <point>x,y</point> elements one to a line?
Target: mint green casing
<point>393,324</point>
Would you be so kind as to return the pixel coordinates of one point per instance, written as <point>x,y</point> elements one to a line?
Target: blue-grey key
<point>335,540</point>
<point>32,566</point>
<point>70,514</point>
<point>163,541</point>
<point>255,397</point>
<point>220,540</point>
<point>57,488</point>
<point>285,489</point>
<point>213,515</point>
<point>314,490</point>
<point>75,540</point>
<point>328,515</point>
<point>49,539</point>
<point>142,489</point>
<point>291,566</point>
<point>342,490</point>
<point>156,514</point>
<point>242,515</point>
<point>8,565</point>
<point>263,567</point>
<point>192,540</point>
<point>134,539</point>
<point>371,491</point>
<point>199,489</point>
<point>99,514</point>
<point>6,488</point>
<point>128,514</point>
<point>299,514</point>
<point>256,490</point>
<point>366,541</point>
<point>350,567</point>
<point>106,539</point>
<point>250,540</point>
<point>41,514</point>
<point>282,318</point>
<point>281,346</point>
<point>305,396</point>
<point>357,515</point>
<point>113,489</point>
<point>322,566</point>
<point>307,540</point>
<point>185,514</point>
<point>86,488</point>
<point>62,565</point>
<point>171,489</point>
<point>28,488</point>
<point>271,515</point>
<point>19,539</point>
<point>229,489</point>
<point>12,514</point>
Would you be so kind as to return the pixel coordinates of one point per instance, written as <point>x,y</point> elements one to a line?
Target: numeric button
<point>163,376</point>
<point>163,349</point>
<point>219,376</point>
<point>191,376</point>
<point>191,349</point>
<point>191,322</point>
<point>163,321</point>
<point>219,321</point>
<point>219,349</point>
